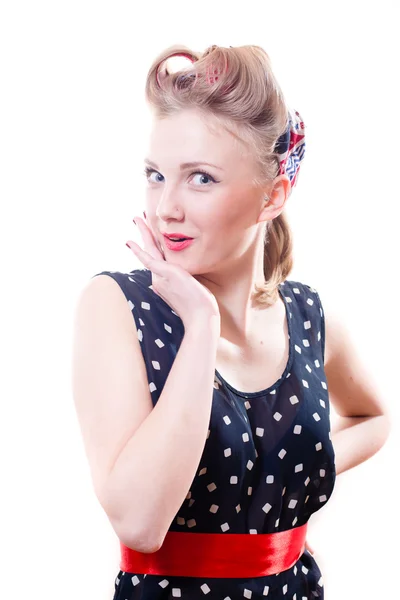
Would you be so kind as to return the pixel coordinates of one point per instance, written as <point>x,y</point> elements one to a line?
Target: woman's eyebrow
<point>186,165</point>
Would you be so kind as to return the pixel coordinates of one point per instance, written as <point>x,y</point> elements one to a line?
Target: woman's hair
<point>236,89</point>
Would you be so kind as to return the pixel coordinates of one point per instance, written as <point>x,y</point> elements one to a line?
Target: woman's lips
<point>176,246</point>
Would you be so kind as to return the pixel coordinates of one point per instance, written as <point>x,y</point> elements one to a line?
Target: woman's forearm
<point>355,439</point>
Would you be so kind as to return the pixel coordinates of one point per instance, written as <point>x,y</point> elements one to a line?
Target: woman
<point>205,417</point>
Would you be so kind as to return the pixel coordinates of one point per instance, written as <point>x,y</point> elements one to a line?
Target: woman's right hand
<point>191,300</point>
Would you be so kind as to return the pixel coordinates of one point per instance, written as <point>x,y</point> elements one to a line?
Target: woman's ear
<point>276,196</point>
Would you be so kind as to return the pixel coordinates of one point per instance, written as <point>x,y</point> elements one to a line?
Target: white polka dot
<point>164,583</point>
<point>228,451</point>
<point>266,590</point>
<point>205,589</point>
<point>298,468</point>
<point>227,420</point>
<point>259,431</point>
<point>250,464</point>
<point>176,592</point>
<point>135,580</point>
<point>267,507</point>
<point>322,498</point>
<point>316,416</point>
<point>247,593</point>
<point>233,479</point>
<point>293,399</point>
<point>292,503</point>
<point>284,589</point>
<point>211,487</point>
<point>318,446</point>
<point>214,508</point>
<point>245,437</point>
<point>282,453</point>
<point>297,429</point>
<point>224,526</point>
<point>277,416</point>
<point>270,479</point>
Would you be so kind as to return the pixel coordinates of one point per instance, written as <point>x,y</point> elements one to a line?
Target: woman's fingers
<point>144,257</point>
<point>309,548</point>
<point>149,242</point>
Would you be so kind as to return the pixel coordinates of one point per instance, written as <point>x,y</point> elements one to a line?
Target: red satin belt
<point>219,554</point>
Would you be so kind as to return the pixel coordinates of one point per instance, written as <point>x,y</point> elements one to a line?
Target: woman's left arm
<point>363,422</point>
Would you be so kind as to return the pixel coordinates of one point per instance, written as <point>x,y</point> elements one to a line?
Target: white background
<point>72,117</point>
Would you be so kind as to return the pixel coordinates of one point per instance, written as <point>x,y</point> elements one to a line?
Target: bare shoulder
<point>102,296</point>
<point>109,379</point>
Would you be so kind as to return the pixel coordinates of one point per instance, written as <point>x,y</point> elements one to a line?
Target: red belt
<point>219,554</point>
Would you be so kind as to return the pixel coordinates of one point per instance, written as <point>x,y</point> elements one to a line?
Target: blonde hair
<point>234,88</point>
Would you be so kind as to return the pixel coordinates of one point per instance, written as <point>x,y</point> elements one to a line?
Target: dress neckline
<point>288,364</point>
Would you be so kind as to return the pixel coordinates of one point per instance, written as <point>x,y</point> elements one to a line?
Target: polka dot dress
<point>268,461</point>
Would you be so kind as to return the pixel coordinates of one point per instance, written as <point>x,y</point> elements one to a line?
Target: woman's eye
<point>149,172</point>
<point>202,177</point>
<point>202,181</point>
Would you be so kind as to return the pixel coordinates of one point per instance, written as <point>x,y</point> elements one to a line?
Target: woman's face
<point>217,204</point>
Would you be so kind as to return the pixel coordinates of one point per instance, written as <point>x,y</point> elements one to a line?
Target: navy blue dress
<point>268,462</point>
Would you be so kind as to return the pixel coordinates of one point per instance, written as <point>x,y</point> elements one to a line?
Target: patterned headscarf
<point>290,147</point>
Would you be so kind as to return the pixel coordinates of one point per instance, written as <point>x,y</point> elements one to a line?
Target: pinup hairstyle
<point>236,89</point>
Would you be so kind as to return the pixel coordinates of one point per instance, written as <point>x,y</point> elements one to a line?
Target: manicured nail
<point>134,221</point>
<point>144,214</point>
<point>128,245</point>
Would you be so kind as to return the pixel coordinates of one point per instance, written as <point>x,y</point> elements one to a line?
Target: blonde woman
<point>203,381</point>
